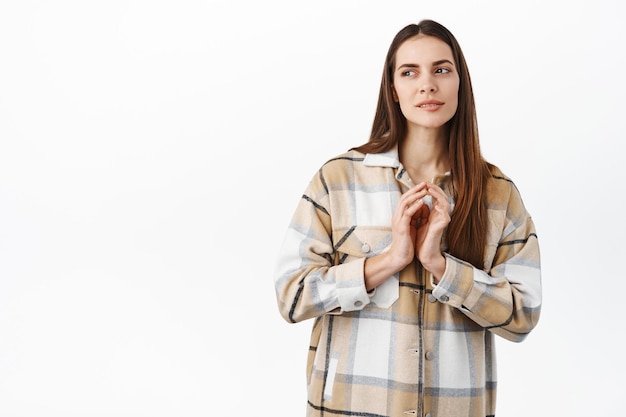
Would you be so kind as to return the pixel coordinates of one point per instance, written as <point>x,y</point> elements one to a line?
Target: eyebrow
<point>441,61</point>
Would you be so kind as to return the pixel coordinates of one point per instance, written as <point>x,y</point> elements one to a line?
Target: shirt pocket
<point>363,242</point>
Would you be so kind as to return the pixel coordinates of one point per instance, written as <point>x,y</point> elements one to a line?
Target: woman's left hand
<point>431,224</point>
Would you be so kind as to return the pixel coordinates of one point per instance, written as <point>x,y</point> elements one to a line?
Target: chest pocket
<point>363,242</point>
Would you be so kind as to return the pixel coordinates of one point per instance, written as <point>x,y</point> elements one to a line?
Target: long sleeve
<point>507,300</point>
<point>308,280</point>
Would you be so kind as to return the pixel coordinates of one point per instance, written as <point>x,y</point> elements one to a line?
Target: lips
<point>430,104</point>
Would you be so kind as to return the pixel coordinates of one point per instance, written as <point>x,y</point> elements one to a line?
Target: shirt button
<point>430,356</point>
<point>358,303</point>
<point>427,415</point>
<point>445,298</point>
<point>431,298</point>
<point>365,248</point>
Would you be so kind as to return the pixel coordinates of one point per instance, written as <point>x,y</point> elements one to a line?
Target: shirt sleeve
<point>507,300</point>
<point>308,281</point>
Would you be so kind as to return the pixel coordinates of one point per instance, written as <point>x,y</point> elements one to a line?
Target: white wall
<point>152,152</point>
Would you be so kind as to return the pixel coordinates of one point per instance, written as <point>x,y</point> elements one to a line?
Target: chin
<point>431,124</point>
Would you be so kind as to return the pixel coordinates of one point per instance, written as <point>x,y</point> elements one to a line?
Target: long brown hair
<point>466,234</point>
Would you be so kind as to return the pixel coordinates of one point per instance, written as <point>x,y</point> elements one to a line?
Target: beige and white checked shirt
<point>409,347</point>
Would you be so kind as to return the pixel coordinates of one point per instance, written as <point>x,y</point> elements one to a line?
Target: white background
<point>152,153</point>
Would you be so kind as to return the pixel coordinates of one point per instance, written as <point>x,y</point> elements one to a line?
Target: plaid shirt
<point>409,347</point>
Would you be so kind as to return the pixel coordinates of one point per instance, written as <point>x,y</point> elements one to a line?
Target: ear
<point>395,95</point>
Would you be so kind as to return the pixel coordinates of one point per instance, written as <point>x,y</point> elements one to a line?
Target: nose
<point>427,85</point>
<point>428,88</point>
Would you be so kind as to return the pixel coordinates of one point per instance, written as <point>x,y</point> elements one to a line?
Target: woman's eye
<point>442,70</point>
<point>408,73</point>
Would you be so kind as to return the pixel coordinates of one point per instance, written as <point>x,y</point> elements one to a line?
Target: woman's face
<point>426,82</point>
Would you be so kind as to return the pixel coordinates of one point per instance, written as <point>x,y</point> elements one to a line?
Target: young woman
<point>411,252</point>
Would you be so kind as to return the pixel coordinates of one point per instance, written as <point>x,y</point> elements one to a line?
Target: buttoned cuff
<point>456,282</point>
<point>351,291</point>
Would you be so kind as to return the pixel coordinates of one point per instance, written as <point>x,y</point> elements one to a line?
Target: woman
<point>411,252</point>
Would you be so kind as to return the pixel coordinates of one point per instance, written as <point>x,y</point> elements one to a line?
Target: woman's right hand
<point>404,224</point>
<point>403,237</point>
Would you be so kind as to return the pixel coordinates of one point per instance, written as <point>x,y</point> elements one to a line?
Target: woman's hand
<point>404,224</point>
<point>404,235</point>
<point>431,224</point>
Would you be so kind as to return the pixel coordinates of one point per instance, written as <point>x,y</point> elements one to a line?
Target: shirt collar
<point>391,159</point>
<point>385,159</point>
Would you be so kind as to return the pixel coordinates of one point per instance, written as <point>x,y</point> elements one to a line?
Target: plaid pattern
<point>407,348</point>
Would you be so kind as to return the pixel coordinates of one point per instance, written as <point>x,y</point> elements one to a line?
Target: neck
<point>424,154</point>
